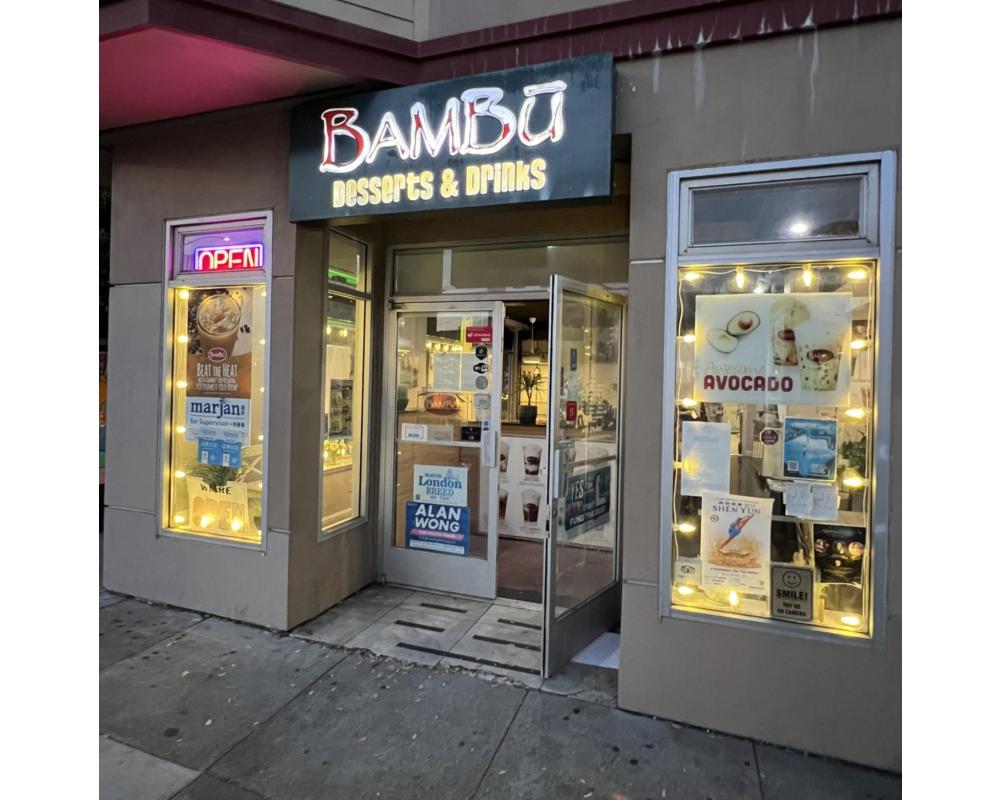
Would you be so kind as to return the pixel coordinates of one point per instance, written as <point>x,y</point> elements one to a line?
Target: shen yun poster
<point>773,348</point>
<point>735,542</point>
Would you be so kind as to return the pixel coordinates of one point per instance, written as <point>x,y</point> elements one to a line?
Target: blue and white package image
<point>810,449</point>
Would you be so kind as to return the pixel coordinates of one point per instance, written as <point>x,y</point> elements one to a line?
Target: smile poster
<point>773,348</point>
<point>735,542</point>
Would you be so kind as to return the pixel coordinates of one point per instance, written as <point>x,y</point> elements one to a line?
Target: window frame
<point>879,246</point>
<point>174,229</point>
<point>363,296</point>
<point>779,174</point>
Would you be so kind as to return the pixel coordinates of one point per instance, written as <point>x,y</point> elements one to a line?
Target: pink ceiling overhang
<point>168,58</point>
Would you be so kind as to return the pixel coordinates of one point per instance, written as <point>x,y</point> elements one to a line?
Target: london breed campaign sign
<point>522,135</point>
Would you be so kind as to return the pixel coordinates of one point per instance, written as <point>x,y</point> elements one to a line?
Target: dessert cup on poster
<point>504,458</point>
<point>529,505</point>
<point>503,503</point>
<point>818,345</point>
<point>218,322</point>
<point>786,314</point>
<point>532,455</point>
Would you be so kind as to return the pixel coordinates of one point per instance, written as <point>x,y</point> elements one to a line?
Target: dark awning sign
<point>523,135</point>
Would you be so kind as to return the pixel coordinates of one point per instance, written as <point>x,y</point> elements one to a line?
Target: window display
<point>343,382</point>
<point>771,511</point>
<point>215,372</point>
<point>217,417</point>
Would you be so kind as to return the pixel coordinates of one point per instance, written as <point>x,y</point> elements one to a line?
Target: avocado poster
<point>773,348</point>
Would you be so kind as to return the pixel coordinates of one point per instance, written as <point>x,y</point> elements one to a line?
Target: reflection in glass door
<point>446,410</point>
<point>582,590</point>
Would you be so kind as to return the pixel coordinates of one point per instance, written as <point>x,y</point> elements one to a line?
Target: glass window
<point>344,389</point>
<point>773,211</point>
<point>216,438</point>
<point>517,266</point>
<point>771,502</point>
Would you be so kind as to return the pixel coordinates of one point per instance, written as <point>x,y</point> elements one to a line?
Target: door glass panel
<point>444,381</point>
<point>586,444</point>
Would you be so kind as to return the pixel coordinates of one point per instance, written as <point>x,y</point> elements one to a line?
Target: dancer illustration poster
<point>735,542</point>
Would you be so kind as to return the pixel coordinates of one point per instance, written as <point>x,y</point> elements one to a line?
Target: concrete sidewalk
<point>198,708</point>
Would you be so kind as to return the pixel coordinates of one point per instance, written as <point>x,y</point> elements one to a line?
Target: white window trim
<point>173,228</point>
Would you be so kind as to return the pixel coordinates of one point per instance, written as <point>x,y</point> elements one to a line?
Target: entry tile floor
<point>501,638</point>
<point>199,708</point>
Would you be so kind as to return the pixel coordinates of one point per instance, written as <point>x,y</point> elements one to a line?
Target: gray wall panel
<point>233,582</point>
<point>134,374</point>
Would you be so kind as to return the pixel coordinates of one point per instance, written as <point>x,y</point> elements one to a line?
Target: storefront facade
<point>287,369</point>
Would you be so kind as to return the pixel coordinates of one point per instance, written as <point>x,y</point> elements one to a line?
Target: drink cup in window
<point>529,505</point>
<point>532,459</point>
<point>218,320</point>
<point>819,359</point>
<point>786,314</point>
<point>503,504</point>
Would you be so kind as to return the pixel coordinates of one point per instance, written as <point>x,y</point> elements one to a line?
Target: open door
<point>443,438</point>
<point>582,575</point>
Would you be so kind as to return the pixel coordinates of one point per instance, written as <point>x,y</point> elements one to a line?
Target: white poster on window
<point>445,485</point>
<point>704,457</point>
<point>735,542</point>
<point>773,348</point>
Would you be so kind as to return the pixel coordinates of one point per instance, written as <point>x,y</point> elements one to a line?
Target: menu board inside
<point>771,502</point>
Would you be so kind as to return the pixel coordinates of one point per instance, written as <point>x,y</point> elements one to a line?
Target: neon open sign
<point>229,258</point>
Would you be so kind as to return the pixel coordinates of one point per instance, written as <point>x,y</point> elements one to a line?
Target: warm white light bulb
<point>741,278</point>
<point>183,339</point>
<point>799,227</point>
<point>181,429</point>
<point>687,402</point>
<point>236,524</point>
<point>688,338</point>
<point>734,599</point>
<point>859,344</point>
<point>855,413</point>
<point>857,274</point>
<point>180,473</point>
<point>852,479</point>
<point>329,329</point>
<point>205,520</point>
<point>807,276</point>
<point>179,518</point>
<point>851,619</point>
<point>184,294</point>
<point>685,527</point>
<point>260,437</point>
<point>182,384</point>
<point>692,276</point>
<point>685,590</point>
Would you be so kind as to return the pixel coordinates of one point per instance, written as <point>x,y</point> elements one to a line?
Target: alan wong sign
<point>518,136</point>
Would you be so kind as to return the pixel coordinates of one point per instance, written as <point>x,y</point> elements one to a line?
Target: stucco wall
<point>813,94</point>
<point>204,166</point>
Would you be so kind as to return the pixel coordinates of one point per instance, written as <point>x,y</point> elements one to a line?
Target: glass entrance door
<point>444,416</point>
<point>582,577</point>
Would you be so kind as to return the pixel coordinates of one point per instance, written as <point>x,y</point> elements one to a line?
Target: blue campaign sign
<point>232,454</point>
<point>210,452</point>
<point>588,500</point>
<point>437,527</point>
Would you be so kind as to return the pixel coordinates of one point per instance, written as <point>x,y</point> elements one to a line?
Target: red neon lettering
<point>338,122</point>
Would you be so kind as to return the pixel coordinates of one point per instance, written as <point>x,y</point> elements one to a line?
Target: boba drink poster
<point>219,365</point>
<point>780,348</point>
<point>735,542</point>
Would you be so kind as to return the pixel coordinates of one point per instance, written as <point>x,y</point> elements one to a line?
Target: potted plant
<point>530,383</point>
<point>402,398</point>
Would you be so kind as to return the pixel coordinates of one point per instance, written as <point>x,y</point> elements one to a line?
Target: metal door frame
<point>564,637</point>
<point>422,568</point>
